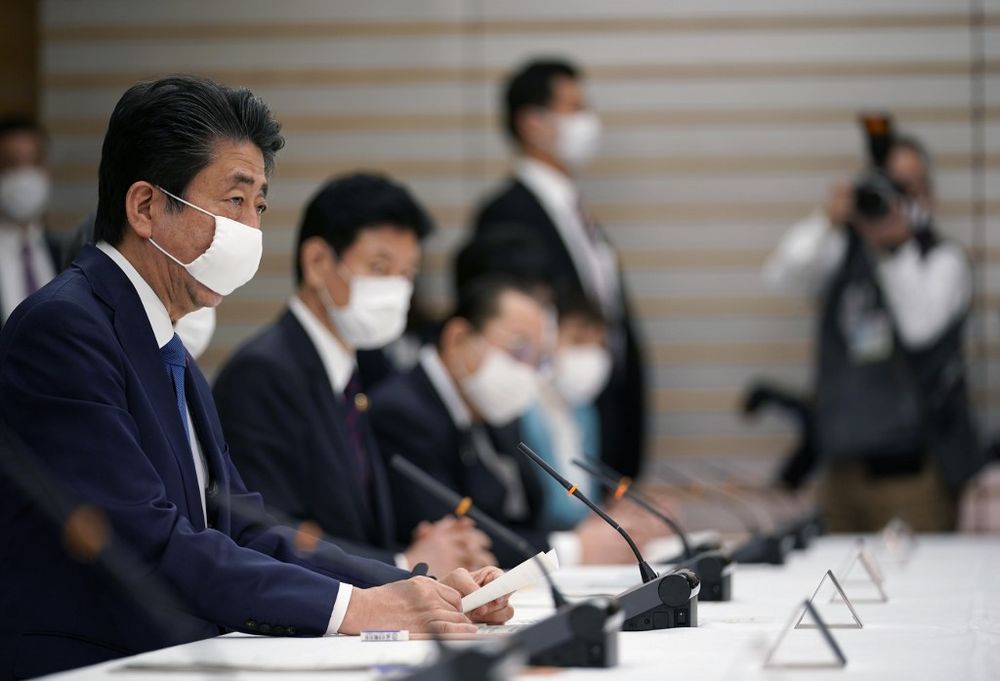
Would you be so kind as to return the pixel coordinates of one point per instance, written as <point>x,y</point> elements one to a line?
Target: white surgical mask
<point>581,372</point>
<point>376,311</point>
<point>24,193</point>
<point>231,259</point>
<point>196,329</point>
<point>502,388</point>
<point>578,137</point>
<point>918,216</point>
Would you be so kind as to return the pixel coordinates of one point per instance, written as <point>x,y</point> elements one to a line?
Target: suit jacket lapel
<point>331,407</point>
<point>136,336</point>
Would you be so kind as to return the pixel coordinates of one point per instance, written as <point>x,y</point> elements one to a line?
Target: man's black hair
<point>479,300</point>
<point>165,132</point>
<point>12,124</point>
<point>347,205</point>
<point>532,86</point>
<point>511,250</point>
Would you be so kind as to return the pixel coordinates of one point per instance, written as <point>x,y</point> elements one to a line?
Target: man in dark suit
<point>454,415</point>
<point>97,385</point>
<point>291,400</point>
<point>555,135</point>
<point>29,256</point>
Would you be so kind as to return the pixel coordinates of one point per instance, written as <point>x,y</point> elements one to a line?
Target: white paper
<point>524,575</point>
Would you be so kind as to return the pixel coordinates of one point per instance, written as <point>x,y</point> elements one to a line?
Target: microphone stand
<point>657,602</point>
<point>713,567</point>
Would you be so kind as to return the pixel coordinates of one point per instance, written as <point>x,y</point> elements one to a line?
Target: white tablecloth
<point>942,621</point>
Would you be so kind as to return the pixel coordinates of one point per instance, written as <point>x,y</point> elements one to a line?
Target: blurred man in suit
<point>292,404</point>
<point>100,389</point>
<point>455,414</point>
<point>555,135</point>
<point>29,257</point>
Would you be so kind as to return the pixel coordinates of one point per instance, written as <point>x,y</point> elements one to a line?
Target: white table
<point>942,622</point>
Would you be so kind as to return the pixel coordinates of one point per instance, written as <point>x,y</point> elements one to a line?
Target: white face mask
<point>918,215</point>
<point>581,372</point>
<point>231,259</point>
<point>502,388</point>
<point>376,311</point>
<point>24,194</point>
<point>578,137</point>
<point>196,329</point>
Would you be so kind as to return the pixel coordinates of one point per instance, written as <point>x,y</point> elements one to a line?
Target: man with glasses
<point>455,415</point>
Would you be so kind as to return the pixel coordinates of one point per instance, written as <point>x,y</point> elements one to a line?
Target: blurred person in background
<point>564,423</point>
<point>893,423</point>
<point>555,135</point>
<point>29,257</point>
<point>292,402</point>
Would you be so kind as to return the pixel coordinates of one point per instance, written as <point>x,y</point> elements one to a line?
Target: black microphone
<point>622,486</point>
<point>760,546</point>
<point>712,566</point>
<point>647,573</point>
<point>580,635</point>
<point>658,602</point>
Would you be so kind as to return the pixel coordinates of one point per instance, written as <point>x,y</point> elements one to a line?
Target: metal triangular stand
<point>819,625</point>
<point>862,555</point>
<point>838,590</point>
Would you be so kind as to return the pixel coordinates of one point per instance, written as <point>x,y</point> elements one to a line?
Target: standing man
<point>292,403</point>
<point>555,134</point>
<point>29,257</point>
<point>98,386</point>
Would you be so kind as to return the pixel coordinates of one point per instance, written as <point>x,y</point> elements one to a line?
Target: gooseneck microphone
<point>647,573</point>
<point>658,602</point>
<point>622,487</point>
<point>579,635</point>
<point>713,567</point>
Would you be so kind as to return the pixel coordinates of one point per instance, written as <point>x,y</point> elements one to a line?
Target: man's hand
<point>449,544</point>
<point>418,604</point>
<point>497,611</point>
<point>601,544</point>
<point>840,204</point>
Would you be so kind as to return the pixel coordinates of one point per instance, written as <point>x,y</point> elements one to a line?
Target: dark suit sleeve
<point>63,389</point>
<point>399,432</point>
<point>260,408</point>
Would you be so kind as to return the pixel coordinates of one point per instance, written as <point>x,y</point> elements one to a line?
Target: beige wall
<point>725,122</point>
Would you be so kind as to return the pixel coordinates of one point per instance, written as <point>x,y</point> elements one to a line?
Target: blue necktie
<point>175,359</point>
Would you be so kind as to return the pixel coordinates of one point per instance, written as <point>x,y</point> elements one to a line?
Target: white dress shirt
<point>163,331</point>
<point>566,544</point>
<point>925,293</point>
<point>12,239</point>
<point>594,258</point>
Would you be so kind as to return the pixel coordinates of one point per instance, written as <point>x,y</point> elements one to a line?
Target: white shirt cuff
<point>567,546</point>
<point>401,561</point>
<point>339,608</point>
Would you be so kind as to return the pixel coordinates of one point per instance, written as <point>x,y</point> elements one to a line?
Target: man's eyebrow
<point>242,178</point>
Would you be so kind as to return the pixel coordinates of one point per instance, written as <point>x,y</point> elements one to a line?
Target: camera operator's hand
<point>886,233</point>
<point>840,204</point>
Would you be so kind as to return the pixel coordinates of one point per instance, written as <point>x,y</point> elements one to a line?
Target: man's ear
<point>139,206</point>
<point>314,258</point>
<point>530,125</point>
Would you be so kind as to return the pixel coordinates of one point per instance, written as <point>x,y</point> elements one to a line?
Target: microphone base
<point>805,530</point>
<point>715,570</point>
<point>579,635</point>
<point>768,549</point>
<point>669,601</point>
<point>491,662</point>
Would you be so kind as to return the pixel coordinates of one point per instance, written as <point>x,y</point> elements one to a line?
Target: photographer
<point>893,421</point>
